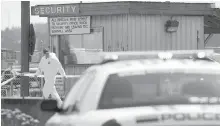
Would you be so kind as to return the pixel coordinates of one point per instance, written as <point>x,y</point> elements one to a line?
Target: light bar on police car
<point>165,55</point>
<point>109,58</point>
<point>175,54</point>
<point>201,54</point>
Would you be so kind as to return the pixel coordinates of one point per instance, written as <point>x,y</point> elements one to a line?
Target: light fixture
<point>172,25</point>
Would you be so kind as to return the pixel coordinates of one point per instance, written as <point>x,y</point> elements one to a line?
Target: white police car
<point>144,89</point>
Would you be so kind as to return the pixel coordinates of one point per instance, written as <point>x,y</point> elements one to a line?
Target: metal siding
<point>115,31</point>
<point>124,22</point>
<point>129,33</point>
<point>120,26</point>
<point>142,24</point>
<point>138,31</point>
<point>133,33</point>
<point>154,30</point>
<point>186,36</point>
<point>147,32</point>
<point>201,26</point>
<point>106,33</point>
<point>109,41</point>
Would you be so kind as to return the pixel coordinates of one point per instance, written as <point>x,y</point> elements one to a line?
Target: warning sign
<point>69,25</point>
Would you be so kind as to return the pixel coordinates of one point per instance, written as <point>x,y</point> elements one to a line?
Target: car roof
<point>198,66</point>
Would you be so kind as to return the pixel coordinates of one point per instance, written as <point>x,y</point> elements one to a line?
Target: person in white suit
<point>50,66</point>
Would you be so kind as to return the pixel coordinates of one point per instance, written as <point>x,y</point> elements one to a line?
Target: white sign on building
<point>69,25</point>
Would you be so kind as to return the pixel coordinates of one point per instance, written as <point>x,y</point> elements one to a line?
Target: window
<point>137,90</point>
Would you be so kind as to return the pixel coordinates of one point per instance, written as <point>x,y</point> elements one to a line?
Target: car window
<point>76,93</point>
<point>89,79</point>
<point>89,82</point>
<point>135,89</point>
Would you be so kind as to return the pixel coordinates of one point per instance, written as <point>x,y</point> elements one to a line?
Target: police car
<point>173,88</point>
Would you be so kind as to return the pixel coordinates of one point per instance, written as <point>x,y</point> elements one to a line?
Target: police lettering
<point>189,116</point>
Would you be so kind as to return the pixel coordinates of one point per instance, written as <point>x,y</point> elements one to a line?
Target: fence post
<point>41,85</point>
<point>64,86</point>
<point>11,88</point>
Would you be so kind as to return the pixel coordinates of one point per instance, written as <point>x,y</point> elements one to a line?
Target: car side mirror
<point>50,106</point>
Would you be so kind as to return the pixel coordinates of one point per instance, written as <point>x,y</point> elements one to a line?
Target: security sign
<point>55,10</point>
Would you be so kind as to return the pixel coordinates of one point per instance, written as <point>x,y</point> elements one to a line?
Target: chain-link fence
<point>11,85</point>
<point>3,92</point>
<point>12,88</point>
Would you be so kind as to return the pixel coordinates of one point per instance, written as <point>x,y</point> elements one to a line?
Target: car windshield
<point>130,90</point>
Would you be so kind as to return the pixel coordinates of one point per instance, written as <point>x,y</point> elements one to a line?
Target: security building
<point>129,26</point>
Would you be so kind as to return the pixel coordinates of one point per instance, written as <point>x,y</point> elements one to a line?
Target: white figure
<point>50,66</point>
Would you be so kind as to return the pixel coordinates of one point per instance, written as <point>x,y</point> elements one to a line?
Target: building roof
<point>125,7</point>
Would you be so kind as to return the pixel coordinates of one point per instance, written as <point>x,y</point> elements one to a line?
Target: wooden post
<point>25,23</point>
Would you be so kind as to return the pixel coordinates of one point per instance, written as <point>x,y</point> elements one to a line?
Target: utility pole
<point>25,24</point>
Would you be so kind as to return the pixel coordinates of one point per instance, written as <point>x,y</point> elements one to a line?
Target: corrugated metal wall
<point>147,32</point>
